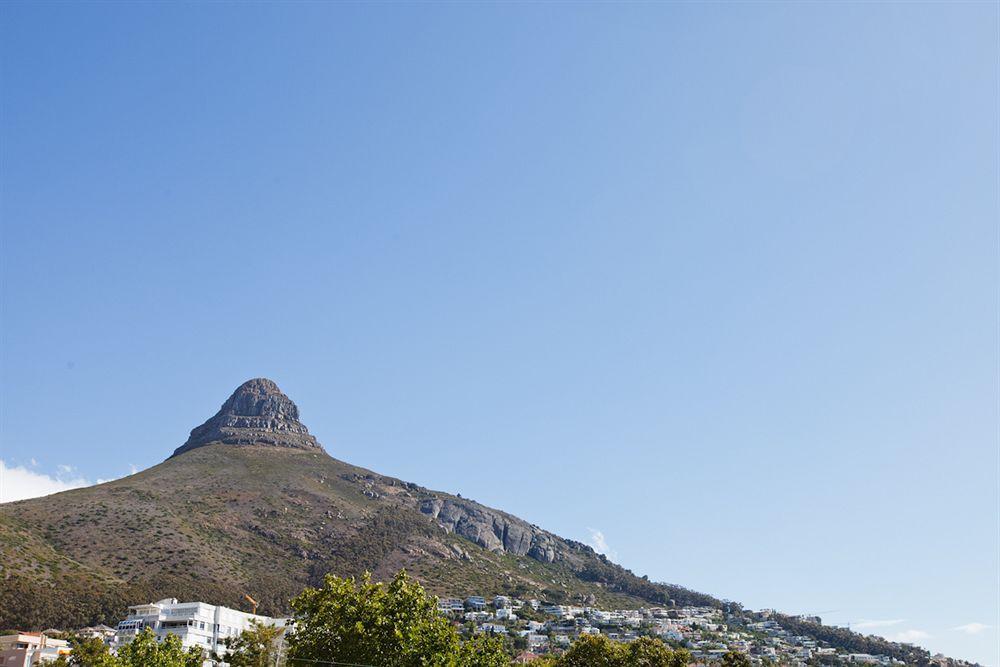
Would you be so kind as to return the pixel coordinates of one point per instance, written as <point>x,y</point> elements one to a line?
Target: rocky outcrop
<point>256,413</point>
<point>490,529</point>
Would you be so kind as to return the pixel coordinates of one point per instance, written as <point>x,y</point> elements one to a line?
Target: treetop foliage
<point>257,646</point>
<point>381,624</point>
<point>599,651</point>
<point>143,651</point>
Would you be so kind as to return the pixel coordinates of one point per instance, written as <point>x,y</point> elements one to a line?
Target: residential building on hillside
<point>27,649</point>
<point>493,628</point>
<point>102,632</point>
<point>196,623</point>
<point>561,611</point>
<point>451,604</point>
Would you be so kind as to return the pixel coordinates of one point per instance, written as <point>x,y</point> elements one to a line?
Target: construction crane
<point>252,602</point>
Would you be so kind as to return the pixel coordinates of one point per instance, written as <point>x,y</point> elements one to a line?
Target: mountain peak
<point>257,413</point>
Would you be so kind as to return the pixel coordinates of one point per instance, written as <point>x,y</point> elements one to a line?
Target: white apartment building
<point>562,611</point>
<point>493,628</point>
<point>195,623</point>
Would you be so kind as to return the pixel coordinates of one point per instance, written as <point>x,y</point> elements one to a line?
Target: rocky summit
<point>257,413</point>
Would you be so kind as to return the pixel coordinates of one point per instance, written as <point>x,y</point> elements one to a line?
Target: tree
<point>483,651</point>
<point>682,656</point>
<point>394,624</point>
<point>145,651</point>
<point>592,651</point>
<point>527,613</point>
<point>255,647</point>
<point>735,659</point>
<point>599,651</point>
<point>90,652</point>
<point>649,652</point>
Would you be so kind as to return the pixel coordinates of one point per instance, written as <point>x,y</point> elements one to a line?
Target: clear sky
<point>713,286</point>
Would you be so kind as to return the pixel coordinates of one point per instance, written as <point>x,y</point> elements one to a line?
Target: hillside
<point>252,503</point>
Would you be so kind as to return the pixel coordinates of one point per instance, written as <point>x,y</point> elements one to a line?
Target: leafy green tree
<point>735,659</point>
<point>593,651</point>
<point>255,647</point>
<point>599,651</point>
<point>650,652</point>
<point>483,651</point>
<point>386,625</point>
<point>526,613</point>
<point>90,652</point>
<point>145,651</point>
<point>545,661</point>
<point>682,657</point>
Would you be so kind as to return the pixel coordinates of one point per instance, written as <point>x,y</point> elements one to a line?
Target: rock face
<point>491,530</point>
<point>256,414</point>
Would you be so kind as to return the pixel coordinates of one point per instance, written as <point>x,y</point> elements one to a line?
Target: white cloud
<point>908,636</point>
<point>18,483</point>
<point>600,544</point>
<point>868,624</point>
<point>972,628</point>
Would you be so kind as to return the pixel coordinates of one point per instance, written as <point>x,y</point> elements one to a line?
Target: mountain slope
<point>252,503</point>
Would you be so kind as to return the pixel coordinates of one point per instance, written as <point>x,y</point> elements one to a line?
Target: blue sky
<point>718,282</point>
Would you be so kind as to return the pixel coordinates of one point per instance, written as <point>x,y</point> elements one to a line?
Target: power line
<point>328,662</point>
